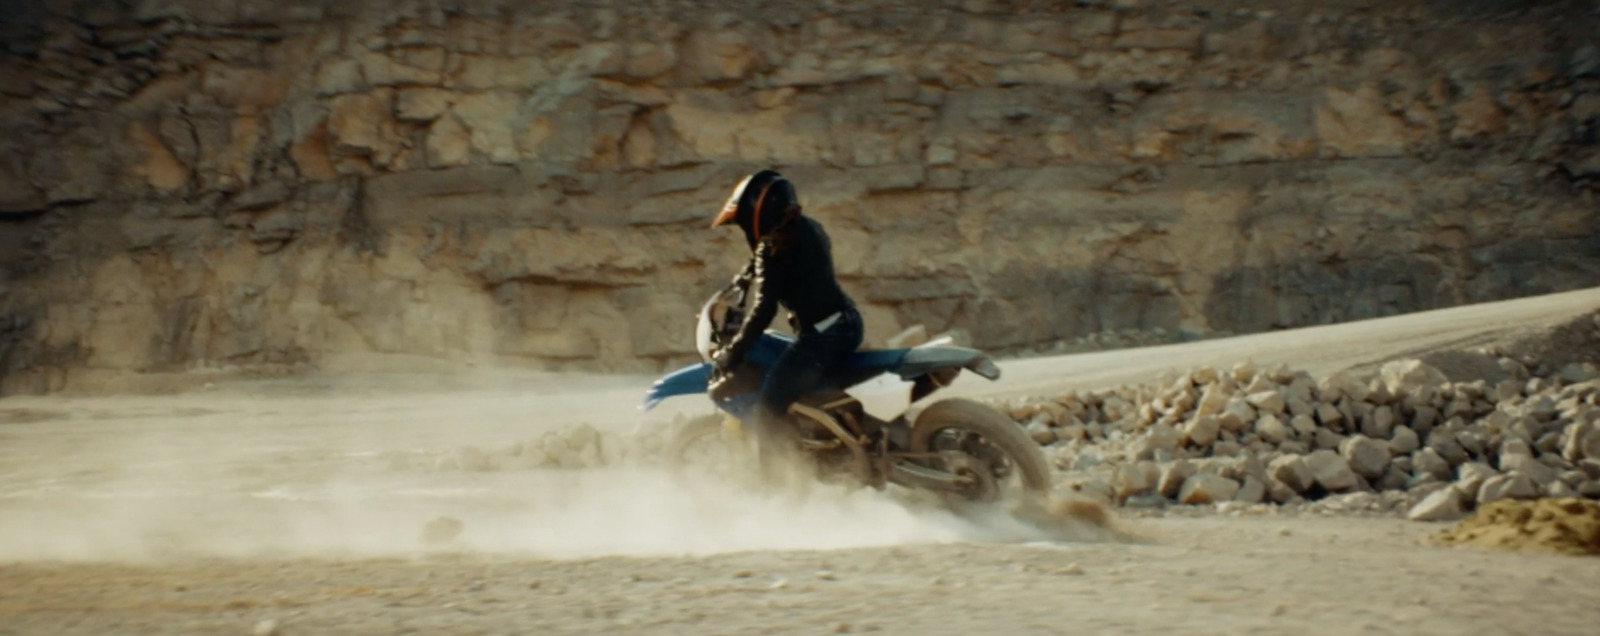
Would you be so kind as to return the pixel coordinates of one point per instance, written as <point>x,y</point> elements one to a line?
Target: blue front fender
<point>694,378</point>
<point>686,381</point>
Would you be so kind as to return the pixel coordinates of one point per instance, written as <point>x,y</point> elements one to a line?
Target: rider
<point>791,264</point>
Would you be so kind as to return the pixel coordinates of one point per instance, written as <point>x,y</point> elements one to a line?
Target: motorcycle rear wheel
<point>993,448</point>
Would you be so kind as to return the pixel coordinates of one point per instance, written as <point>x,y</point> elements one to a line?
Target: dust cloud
<point>221,484</point>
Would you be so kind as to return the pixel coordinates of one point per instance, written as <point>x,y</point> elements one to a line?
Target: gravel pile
<point>1406,434</point>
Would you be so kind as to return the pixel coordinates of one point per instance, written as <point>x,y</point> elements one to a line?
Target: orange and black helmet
<point>761,203</point>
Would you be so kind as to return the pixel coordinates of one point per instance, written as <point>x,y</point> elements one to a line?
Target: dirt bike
<point>957,447</point>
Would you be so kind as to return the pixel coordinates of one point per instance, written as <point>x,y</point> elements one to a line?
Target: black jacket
<point>793,266</point>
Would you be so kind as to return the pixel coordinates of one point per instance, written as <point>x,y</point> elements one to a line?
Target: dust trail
<point>557,514</point>
<point>279,474</point>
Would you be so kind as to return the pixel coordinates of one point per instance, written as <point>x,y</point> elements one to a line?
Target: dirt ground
<point>297,506</point>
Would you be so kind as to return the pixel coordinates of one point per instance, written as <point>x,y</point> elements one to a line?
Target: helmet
<point>761,203</point>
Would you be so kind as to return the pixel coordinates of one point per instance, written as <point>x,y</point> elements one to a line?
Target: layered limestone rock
<point>191,185</point>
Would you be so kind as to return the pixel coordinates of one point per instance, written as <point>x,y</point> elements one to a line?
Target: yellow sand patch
<point>1567,525</point>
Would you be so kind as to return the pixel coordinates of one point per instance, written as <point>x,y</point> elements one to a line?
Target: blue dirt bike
<point>957,447</point>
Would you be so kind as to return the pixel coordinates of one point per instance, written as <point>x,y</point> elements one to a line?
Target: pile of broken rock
<point>1405,438</point>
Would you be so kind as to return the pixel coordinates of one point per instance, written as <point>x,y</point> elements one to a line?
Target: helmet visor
<point>730,209</point>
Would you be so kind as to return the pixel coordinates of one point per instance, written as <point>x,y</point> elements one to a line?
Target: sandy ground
<point>302,502</point>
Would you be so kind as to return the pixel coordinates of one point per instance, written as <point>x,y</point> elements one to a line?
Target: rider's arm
<point>763,307</point>
<point>742,281</point>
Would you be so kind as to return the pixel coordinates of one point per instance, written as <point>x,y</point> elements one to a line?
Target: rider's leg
<point>803,366</point>
<point>800,369</point>
<point>793,373</point>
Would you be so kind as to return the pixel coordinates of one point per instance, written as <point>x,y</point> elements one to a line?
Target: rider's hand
<point>725,358</point>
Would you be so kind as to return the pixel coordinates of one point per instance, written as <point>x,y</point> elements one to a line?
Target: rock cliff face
<point>193,184</point>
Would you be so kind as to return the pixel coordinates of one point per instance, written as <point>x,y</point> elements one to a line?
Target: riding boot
<point>776,449</point>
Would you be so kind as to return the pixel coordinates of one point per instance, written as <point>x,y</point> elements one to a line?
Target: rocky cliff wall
<point>190,184</point>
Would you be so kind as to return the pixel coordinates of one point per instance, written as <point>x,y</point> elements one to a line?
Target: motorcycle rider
<point>791,264</point>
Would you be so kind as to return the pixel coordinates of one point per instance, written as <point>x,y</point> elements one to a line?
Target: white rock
<point>1160,437</point>
<point>1304,426</point>
<point>1202,430</point>
<point>1325,439</point>
<point>1260,383</point>
<point>1352,387</point>
<point>1086,460</point>
<point>1424,420</point>
<point>1443,504</point>
<point>1394,478</point>
<point>1130,480</point>
<point>1378,392</point>
<point>1302,388</point>
<point>1404,441</point>
<point>1174,476</point>
<point>1292,471</point>
<point>1328,414</point>
<point>1211,402</point>
<point>1237,415</point>
<point>1329,389</point>
<point>1578,372</point>
<point>1428,462</point>
<point>1581,441</point>
<point>1407,376</point>
<point>1508,486</point>
<point>1516,446</point>
<point>268,627</point>
<point>1272,429</point>
<point>1253,491</point>
<point>1507,390</point>
<point>1207,488</point>
<point>1541,473</point>
<point>1474,441</point>
<point>1560,489</point>
<point>1268,401</point>
<point>1246,466</point>
<point>1278,492</point>
<point>1332,471</point>
<point>1300,408</point>
<point>1040,432</point>
<point>1538,385</point>
<point>1152,472</point>
<point>1379,425</point>
<point>1071,432</point>
<point>1445,444</point>
<point>1471,475</point>
<point>1366,456</point>
<point>1093,489</point>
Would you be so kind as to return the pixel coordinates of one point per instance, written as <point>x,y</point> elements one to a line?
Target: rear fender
<point>922,361</point>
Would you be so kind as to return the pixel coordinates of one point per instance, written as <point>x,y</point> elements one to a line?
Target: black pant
<point>801,368</point>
